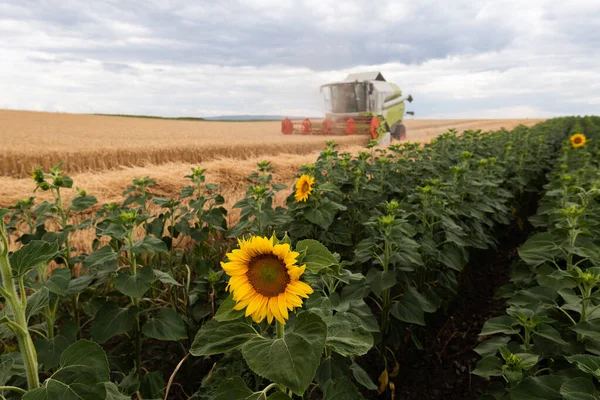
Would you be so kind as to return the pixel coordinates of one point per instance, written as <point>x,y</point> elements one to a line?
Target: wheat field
<point>104,153</point>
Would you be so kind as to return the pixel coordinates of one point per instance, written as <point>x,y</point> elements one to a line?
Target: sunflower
<point>265,279</point>
<point>578,140</point>
<point>304,187</point>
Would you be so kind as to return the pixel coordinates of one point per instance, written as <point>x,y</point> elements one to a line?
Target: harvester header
<point>362,104</point>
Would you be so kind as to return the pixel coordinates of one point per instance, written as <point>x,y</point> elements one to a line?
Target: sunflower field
<point>547,345</point>
<point>324,298</point>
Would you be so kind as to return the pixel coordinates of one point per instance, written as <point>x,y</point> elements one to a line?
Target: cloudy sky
<point>460,58</point>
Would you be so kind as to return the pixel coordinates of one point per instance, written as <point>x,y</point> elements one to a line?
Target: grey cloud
<point>119,68</point>
<point>230,33</point>
<point>270,56</point>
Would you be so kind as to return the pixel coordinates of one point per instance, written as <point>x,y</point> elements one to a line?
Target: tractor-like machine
<point>363,103</point>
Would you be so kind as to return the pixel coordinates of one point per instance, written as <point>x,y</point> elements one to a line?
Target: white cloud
<point>465,59</point>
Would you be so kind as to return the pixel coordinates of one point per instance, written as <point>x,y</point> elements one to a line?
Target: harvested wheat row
<point>96,143</point>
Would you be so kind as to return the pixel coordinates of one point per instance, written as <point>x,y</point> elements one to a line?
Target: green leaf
<point>346,335</point>
<point>293,360</point>
<point>409,309</point>
<point>279,396</point>
<point>226,311</point>
<point>362,377</point>
<point>72,389</point>
<point>489,366</point>
<point>341,389</point>
<point>82,374</point>
<point>332,368</point>
<point>165,277</point>
<point>316,256</point>
<point>113,393</point>
<point>6,367</point>
<point>539,388</point>
<point>235,389</point>
<point>149,245</point>
<point>166,325</point>
<point>579,389</point>
<point>135,285</point>
<point>548,332</point>
<point>587,363</point>
<point>539,248</point>
<point>49,350</point>
<point>59,281</point>
<point>79,284</point>
<point>590,329</point>
<point>130,383</point>
<point>453,257</point>
<point>152,385</point>
<point>502,324</point>
<point>528,360</point>
<point>37,302</point>
<point>82,203</point>
<point>379,281</point>
<point>219,337</point>
<point>490,347</point>
<point>100,257</point>
<point>33,254</point>
<point>364,314</point>
<point>322,215</point>
<point>111,320</point>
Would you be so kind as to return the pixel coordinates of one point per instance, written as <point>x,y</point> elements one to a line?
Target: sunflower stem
<point>280,330</point>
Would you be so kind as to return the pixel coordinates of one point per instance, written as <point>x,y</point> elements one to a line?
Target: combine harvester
<point>362,104</point>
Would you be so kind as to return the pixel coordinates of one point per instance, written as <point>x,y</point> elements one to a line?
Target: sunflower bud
<point>128,217</point>
<point>392,206</point>
<point>385,221</point>
<point>45,186</point>
<point>213,277</point>
<point>425,189</point>
<point>58,181</point>
<point>258,190</point>
<point>513,360</point>
<point>572,211</point>
<point>111,206</point>
<point>456,169</point>
<point>38,175</point>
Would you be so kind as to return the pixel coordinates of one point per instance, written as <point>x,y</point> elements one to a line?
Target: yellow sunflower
<point>265,279</point>
<point>578,140</point>
<point>304,187</point>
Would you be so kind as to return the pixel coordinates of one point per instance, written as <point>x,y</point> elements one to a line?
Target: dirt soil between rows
<point>443,369</point>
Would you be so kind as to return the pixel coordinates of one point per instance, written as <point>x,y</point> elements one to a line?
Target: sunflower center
<point>268,275</point>
<point>305,187</point>
<point>577,140</point>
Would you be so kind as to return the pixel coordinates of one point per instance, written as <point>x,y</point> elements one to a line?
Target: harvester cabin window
<point>349,98</point>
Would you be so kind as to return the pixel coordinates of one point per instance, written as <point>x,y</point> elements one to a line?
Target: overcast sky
<point>460,58</point>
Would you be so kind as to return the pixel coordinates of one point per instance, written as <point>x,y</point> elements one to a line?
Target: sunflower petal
<point>296,272</point>
<point>282,304</point>
<point>299,288</point>
<point>274,309</point>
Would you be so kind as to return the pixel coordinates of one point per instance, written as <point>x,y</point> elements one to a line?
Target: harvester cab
<point>363,103</point>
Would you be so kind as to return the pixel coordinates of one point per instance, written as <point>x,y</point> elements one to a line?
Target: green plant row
<point>547,345</point>
<point>366,247</point>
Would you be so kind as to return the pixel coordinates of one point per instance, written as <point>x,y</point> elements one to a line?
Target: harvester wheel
<point>399,132</point>
<point>374,129</point>
<point>327,126</point>
<point>287,128</point>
